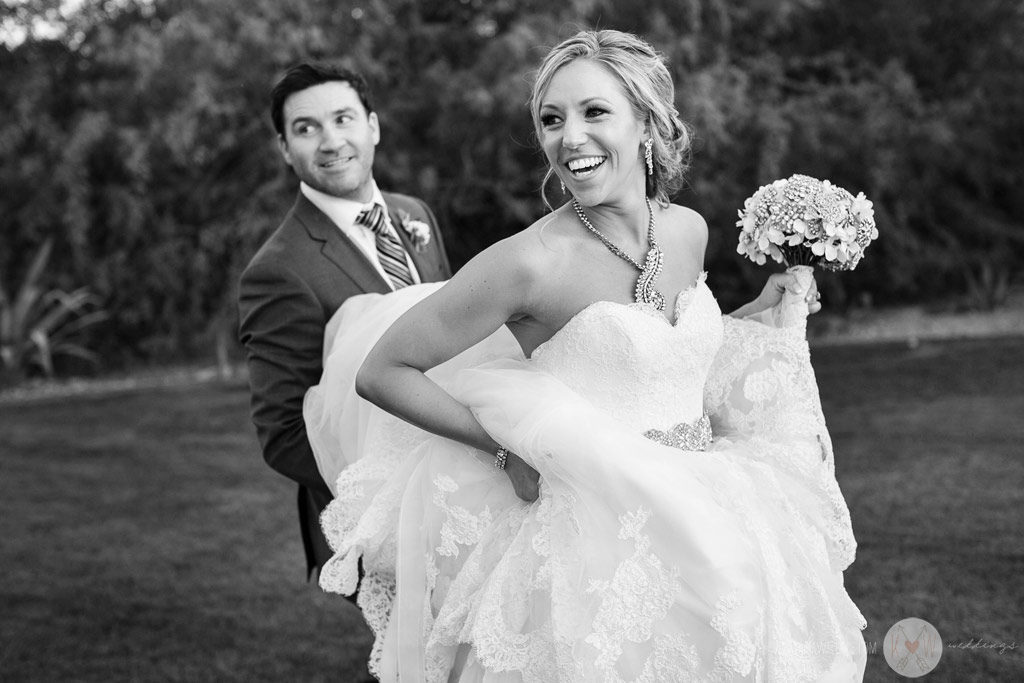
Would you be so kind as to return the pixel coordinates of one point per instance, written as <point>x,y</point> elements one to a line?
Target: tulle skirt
<point>639,561</point>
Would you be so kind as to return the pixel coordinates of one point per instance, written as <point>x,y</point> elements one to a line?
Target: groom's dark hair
<point>306,75</point>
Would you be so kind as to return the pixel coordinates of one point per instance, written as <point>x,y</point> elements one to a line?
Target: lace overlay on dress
<point>638,594</point>
<point>763,383</point>
<point>640,561</point>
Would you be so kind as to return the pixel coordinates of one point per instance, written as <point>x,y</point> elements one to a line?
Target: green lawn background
<point>143,538</point>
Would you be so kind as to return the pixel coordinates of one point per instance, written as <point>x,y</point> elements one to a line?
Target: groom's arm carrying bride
<point>342,237</point>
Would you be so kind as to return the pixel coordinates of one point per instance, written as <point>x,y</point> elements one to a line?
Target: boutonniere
<point>417,230</point>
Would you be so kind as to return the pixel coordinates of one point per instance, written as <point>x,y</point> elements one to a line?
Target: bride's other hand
<point>771,295</point>
<point>525,480</point>
<point>779,283</point>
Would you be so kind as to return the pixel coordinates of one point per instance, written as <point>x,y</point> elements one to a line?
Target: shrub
<point>39,324</point>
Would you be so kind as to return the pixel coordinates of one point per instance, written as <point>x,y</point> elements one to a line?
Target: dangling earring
<point>562,183</point>
<point>649,155</point>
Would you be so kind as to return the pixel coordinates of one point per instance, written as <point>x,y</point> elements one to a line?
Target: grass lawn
<point>143,538</point>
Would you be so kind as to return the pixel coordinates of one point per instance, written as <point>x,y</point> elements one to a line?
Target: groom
<point>342,237</point>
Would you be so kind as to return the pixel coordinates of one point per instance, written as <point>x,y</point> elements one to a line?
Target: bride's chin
<point>588,197</point>
<point>608,193</point>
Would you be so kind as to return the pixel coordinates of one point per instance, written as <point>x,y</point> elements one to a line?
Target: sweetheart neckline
<point>647,309</point>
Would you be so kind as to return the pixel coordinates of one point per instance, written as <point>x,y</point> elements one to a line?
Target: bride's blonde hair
<point>649,88</point>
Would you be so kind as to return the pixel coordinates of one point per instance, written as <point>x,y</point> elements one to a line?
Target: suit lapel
<point>338,248</point>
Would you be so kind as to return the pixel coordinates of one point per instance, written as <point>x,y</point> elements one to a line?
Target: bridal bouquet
<point>805,221</point>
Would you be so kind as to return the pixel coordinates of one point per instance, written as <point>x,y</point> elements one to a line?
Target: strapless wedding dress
<point>645,558</point>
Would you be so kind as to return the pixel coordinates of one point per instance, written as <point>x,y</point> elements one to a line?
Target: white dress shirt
<point>344,212</point>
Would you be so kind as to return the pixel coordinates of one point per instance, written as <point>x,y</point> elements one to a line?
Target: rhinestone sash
<point>687,436</point>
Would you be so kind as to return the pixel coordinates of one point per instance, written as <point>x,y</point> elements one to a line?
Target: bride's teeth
<point>586,164</point>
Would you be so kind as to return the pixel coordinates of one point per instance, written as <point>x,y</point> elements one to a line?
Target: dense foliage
<point>136,134</point>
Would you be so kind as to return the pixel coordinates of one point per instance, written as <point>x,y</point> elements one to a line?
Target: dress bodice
<point>631,362</point>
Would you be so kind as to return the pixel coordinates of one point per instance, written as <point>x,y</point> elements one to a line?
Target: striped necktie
<point>389,250</point>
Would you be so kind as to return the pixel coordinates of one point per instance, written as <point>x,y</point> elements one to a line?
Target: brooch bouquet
<point>417,230</point>
<point>805,221</point>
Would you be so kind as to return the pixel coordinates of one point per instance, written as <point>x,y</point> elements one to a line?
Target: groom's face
<point>329,140</point>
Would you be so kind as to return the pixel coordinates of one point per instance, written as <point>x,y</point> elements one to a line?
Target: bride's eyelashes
<point>550,120</point>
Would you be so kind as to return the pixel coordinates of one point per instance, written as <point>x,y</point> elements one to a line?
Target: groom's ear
<point>282,145</point>
<point>374,123</point>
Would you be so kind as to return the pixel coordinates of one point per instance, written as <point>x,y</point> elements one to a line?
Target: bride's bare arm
<point>487,292</point>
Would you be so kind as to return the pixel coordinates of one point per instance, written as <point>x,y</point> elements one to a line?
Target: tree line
<point>136,136</point>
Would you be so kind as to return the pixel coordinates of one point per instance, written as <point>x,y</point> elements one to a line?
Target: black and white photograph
<point>483,341</point>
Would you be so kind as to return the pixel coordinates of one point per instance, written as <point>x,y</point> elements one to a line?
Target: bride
<point>583,471</point>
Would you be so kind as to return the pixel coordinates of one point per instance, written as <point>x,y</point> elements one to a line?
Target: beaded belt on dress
<point>688,436</point>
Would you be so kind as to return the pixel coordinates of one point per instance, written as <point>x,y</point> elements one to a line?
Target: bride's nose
<point>573,134</point>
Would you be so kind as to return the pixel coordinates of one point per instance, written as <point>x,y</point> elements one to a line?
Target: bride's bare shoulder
<point>537,247</point>
<point>684,229</point>
<point>529,255</point>
<point>685,218</point>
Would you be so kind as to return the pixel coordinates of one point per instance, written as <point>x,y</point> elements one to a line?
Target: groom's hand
<point>525,480</point>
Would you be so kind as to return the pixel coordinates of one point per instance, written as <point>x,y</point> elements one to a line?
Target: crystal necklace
<point>645,293</point>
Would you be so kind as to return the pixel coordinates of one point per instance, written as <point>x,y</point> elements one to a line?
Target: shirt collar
<point>342,211</point>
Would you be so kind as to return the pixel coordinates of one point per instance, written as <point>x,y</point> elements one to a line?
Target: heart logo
<point>912,647</point>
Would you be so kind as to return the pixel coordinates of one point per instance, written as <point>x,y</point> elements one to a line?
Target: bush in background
<point>39,325</point>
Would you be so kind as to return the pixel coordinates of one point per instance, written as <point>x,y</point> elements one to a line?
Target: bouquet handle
<point>792,310</point>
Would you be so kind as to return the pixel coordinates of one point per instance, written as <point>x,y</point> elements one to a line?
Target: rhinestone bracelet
<point>500,457</point>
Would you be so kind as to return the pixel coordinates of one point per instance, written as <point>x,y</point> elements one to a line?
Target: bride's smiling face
<point>591,135</point>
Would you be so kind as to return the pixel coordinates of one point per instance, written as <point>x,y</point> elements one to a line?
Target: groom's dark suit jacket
<point>300,276</point>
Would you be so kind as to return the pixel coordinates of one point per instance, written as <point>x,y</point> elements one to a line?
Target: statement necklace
<point>645,293</point>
